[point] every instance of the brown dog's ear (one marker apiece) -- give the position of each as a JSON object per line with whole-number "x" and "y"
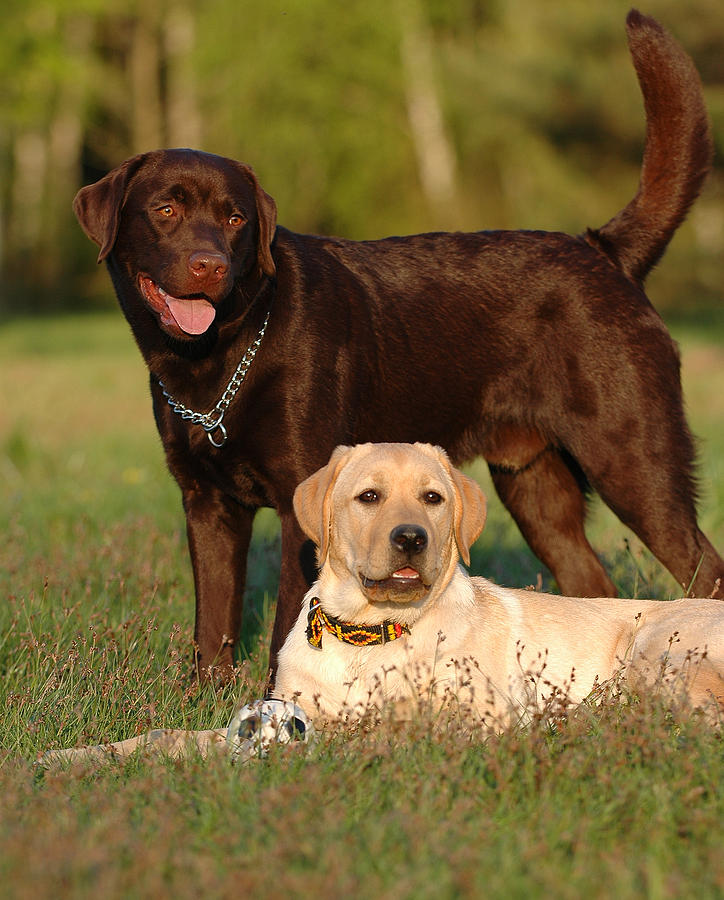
{"x": 266, "y": 210}
{"x": 470, "y": 512}
{"x": 266, "y": 213}
{"x": 312, "y": 502}
{"x": 98, "y": 206}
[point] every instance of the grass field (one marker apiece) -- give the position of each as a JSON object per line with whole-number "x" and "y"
{"x": 95, "y": 643}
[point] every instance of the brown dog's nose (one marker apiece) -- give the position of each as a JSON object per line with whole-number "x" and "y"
{"x": 208, "y": 267}
{"x": 410, "y": 539}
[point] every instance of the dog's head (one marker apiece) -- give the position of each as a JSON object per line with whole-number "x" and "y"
{"x": 183, "y": 226}
{"x": 392, "y": 518}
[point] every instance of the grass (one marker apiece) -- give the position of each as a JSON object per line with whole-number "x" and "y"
{"x": 95, "y": 643}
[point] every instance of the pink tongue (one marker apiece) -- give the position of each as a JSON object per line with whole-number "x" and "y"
{"x": 407, "y": 572}
{"x": 192, "y": 316}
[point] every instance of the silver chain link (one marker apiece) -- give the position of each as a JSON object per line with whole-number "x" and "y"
{"x": 211, "y": 421}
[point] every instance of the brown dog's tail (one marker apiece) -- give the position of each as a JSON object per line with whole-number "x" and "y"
{"x": 677, "y": 155}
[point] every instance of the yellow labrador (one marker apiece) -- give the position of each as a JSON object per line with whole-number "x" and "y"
{"x": 394, "y": 618}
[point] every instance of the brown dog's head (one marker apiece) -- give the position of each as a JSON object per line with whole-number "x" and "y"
{"x": 392, "y": 518}
{"x": 183, "y": 226}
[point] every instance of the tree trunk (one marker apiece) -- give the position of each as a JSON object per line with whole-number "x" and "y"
{"x": 146, "y": 114}
{"x": 436, "y": 160}
{"x": 183, "y": 120}
{"x": 65, "y": 149}
{"x": 30, "y": 154}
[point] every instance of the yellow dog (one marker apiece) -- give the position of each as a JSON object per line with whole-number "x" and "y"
{"x": 394, "y": 618}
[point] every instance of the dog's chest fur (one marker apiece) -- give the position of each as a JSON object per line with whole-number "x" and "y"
{"x": 425, "y": 668}
{"x": 496, "y": 653}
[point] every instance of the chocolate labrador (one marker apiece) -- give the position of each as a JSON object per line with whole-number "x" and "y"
{"x": 539, "y": 351}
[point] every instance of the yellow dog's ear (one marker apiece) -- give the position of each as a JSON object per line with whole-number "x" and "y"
{"x": 470, "y": 506}
{"x": 470, "y": 512}
{"x": 313, "y": 499}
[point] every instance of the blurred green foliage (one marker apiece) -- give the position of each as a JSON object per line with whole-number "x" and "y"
{"x": 535, "y": 112}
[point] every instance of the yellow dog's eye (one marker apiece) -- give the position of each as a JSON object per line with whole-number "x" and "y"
{"x": 431, "y": 497}
{"x": 368, "y": 496}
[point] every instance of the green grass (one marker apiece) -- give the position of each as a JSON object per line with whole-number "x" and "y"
{"x": 96, "y": 641}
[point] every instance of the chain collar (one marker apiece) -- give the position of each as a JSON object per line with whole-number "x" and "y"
{"x": 211, "y": 421}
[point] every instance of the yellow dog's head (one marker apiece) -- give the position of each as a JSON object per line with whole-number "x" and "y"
{"x": 393, "y": 517}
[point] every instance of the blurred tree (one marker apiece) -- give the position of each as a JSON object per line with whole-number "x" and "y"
{"x": 437, "y": 165}
{"x": 314, "y": 102}
{"x": 361, "y": 119}
{"x": 183, "y": 119}
{"x": 46, "y": 48}
{"x": 145, "y": 61}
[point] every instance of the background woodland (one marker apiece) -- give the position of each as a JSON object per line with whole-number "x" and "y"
{"x": 361, "y": 119}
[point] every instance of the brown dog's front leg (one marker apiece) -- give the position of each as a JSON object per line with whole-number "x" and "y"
{"x": 298, "y": 571}
{"x": 219, "y": 533}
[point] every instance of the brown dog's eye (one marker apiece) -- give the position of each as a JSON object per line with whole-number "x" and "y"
{"x": 369, "y": 496}
{"x": 166, "y": 211}
{"x": 431, "y": 497}
{"x": 236, "y": 220}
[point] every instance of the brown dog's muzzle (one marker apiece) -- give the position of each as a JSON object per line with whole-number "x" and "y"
{"x": 208, "y": 268}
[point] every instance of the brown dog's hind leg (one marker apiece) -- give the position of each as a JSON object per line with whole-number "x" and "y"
{"x": 686, "y": 552}
{"x": 549, "y": 507}
{"x": 642, "y": 466}
{"x": 663, "y": 515}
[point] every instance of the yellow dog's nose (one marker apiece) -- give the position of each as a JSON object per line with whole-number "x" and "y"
{"x": 410, "y": 539}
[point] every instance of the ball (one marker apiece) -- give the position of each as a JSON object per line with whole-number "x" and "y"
{"x": 258, "y": 725}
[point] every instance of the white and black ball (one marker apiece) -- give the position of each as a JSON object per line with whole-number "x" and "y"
{"x": 258, "y": 725}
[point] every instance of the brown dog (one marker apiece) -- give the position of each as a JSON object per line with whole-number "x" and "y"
{"x": 394, "y": 619}
{"x": 538, "y": 351}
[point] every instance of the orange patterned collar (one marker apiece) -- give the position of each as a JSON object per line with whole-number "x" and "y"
{"x": 349, "y": 632}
